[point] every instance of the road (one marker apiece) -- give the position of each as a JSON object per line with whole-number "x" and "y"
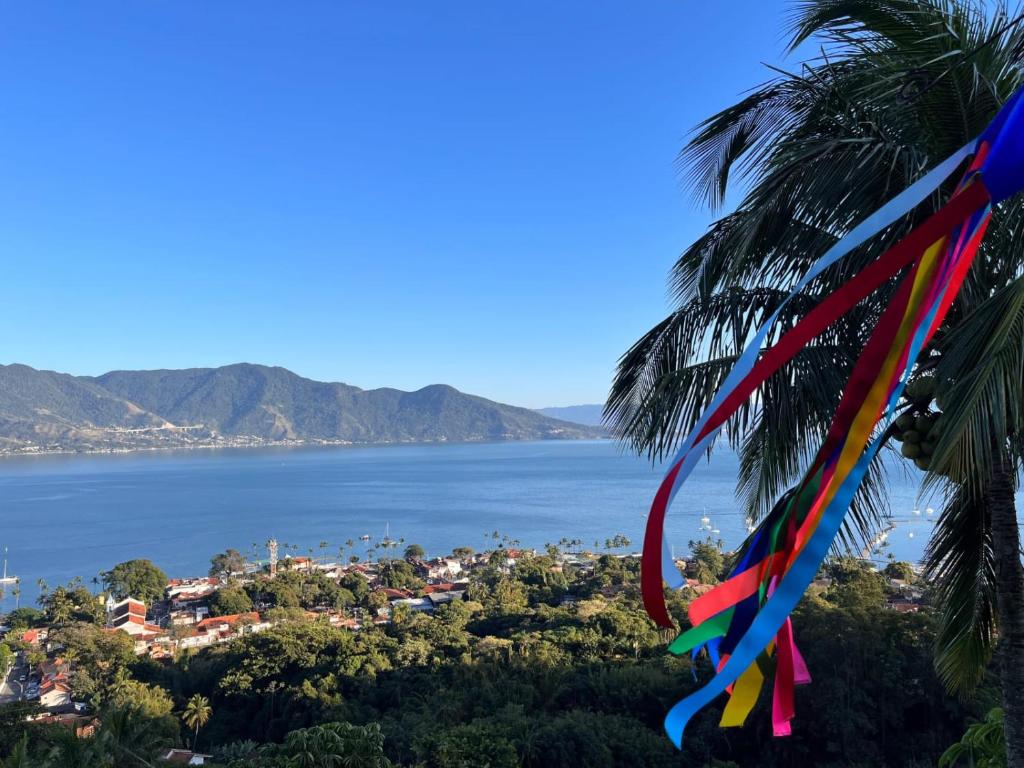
{"x": 11, "y": 689}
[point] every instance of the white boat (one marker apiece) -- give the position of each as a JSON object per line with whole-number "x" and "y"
{"x": 5, "y": 579}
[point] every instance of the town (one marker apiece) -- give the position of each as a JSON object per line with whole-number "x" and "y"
{"x": 166, "y": 619}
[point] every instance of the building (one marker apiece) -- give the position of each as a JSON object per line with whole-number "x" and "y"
{"x": 34, "y": 636}
{"x": 186, "y": 757}
{"x": 55, "y": 693}
{"x": 438, "y": 569}
{"x": 440, "y": 598}
{"x": 219, "y": 629}
{"x": 417, "y": 604}
{"x": 129, "y": 616}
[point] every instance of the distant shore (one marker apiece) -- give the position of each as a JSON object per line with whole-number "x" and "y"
{"x": 247, "y": 443}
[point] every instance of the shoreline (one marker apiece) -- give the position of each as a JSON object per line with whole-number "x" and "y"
{"x": 242, "y": 446}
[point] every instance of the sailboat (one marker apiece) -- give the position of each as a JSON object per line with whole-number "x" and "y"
{"x": 7, "y": 579}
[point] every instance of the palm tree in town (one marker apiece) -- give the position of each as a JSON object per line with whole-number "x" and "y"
{"x": 18, "y": 758}
{"x": 900, "y": 85}
{"x": 128, "y": 736}
{"x": 197, "y": 713}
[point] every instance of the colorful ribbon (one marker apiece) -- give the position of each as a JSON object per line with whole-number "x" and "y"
{"x": 744, "y": 622}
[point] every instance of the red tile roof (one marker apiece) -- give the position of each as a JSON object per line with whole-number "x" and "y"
{"x": 443, "y": 587}
{"x": 215, "y": 621}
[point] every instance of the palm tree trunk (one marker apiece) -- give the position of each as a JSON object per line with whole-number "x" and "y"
{"x": 1009, "y": 602}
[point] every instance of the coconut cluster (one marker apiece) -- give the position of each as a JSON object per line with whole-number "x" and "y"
{"x": 919, "y": 427}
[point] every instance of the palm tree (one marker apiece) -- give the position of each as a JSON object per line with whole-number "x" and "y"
{"x": 18, "y": 758}
{"x": 71, "y": 751}
{"x": 129, "y": 737}
{"x": 197, "y": 713}
{"x": 904, "y": 84}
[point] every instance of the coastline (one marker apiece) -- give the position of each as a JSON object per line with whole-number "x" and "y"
{"x": 257, "y": 443}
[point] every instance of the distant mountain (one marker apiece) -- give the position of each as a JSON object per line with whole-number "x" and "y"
{"x": 589, "y": 415}
{"x": 244, "y": 404}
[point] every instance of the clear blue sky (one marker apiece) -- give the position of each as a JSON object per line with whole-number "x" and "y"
{"x": 381, "y": 193}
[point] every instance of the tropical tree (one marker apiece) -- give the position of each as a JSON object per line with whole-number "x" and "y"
{"x": 197, "y": 714}
{"x": 331, "y": 744}
{"x": 226, "y": 563}
{"x": 899, "y": 85}
{"x": 19, "y": 755}
{"x": 71, "y": 751}
{"x": 136, "y": 578}
{"x": 981, "y": 747}
{"x": 132, "y": 739}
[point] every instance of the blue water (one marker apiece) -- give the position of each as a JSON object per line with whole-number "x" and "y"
{"x": 66, "y": 516}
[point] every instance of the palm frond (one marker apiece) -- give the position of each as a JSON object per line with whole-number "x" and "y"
{"x": 959, "y": 564}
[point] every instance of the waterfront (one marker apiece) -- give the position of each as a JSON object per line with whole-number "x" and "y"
{"x": 66, "y": 516}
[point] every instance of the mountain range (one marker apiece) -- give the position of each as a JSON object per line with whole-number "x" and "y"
{"x": 590, "y": 414}
{"x": 244, "y": 404}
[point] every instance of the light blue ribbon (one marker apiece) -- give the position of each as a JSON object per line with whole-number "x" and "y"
{"x": 790, "y": 589}
{"x": 885, "y": 216}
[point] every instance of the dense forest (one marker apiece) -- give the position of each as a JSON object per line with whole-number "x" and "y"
{"x": 538, "y": 666}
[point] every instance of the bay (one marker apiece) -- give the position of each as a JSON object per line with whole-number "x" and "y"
{"x": 75, "y": 515}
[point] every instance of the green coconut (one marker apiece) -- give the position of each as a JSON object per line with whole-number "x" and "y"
{"x": 921, "y": 390}
{"x": 905, "y": 421}
{"x": 923, "y": 463}
{"x": 923, "y": 423}
{"x": 911, "y": 450}
{"x": 911, "y": 436}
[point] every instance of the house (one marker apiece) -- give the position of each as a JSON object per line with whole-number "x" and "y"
{"x": 198, "y": 641}
{"x": 185, "y": 617}
{"x": 417, "y": 604}
{"x": 54, "y": 693}
{"x": 440, "y": 598}
{"x": 53, "y": 668}
{"x": 148, "y": 642}
{"x": 218, "y": 624}
{"x": 445, "y": 586}
{"x": 903, "y": 606}
{"x": 186, "y": 757}
{"x": 129, "y": 616}
{"x": 34, "y": 636}
{"x": 218, "y": 629}
{"x": 83, "y": 726}
{"x": 298, "y": 563}
{"x": 204, "y": 586}
{"x": 438, "y": 569}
